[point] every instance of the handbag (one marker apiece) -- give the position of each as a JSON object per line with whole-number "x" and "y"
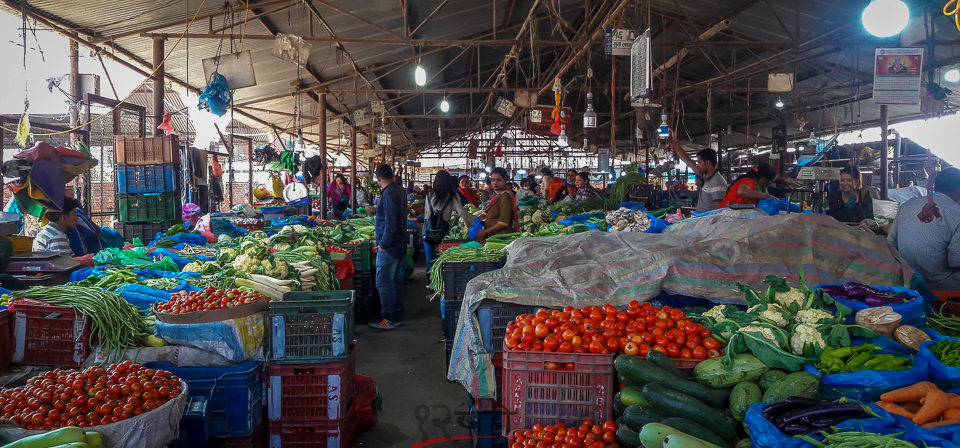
{"x": 435, "y": 229}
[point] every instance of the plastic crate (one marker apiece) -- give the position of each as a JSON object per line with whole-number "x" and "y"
{"x": 360, "y": 253}
{"x": 147, "y": 178}
{"x": 193, "y": 425}
{"x": 145, "y": 231}
{"x": 494, "y": 317}
{"x": 451, "y": 313}
{"x": 146, "y": 151}
{"x": 256, "y": 440}
{"x": 456, "y": 275}
{"x": 312, "y": 326}
{"x": 533, "y": 394}
{"x": 234, "y": 395}
{"x": 485, "y": 422}
{"x": 50, "y": 336}
{"x": 148, "y": 207}
{"x": 363, "y": 283}
{"x": 447, "y": 244}
{"x": 947, "y": 302}
{"x": 6, "y": 338}
{"x": 367, "y": 309}
{"x": 321, "y": 434}
{"x": 310, "y": 392}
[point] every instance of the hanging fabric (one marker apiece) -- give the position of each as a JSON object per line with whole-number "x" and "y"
{"x": 216, "y": 96}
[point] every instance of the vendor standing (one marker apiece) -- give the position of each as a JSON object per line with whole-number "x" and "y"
{"x": 338, "y": 190}
{"x": 850, "y": 203}
{"x": 933, "y": 248}
{"x": 710, "y": 183}
{"x": 53, "y": 235}
{"x": 467, "y": 194}
{"x": 751, "y": 187}
{"x": 500, "y": 214}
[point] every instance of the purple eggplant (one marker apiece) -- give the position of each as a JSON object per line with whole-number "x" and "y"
{"x": 853, "y": 410}
{"x": 810, "y": 401}
{"x": 830, "y": 421}
{"x": 799, "y": 430}
{"x": 881, "y": 300}
{"x": 905, "y": 296}
{"x": 835, "y": 291}
{"x": 858, "y": 291}
{"x": 776, "y": 410}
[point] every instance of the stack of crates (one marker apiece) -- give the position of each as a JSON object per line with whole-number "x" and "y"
{"x": 147, "y": 183}
{"x": 456, "y": 275}
{"x": 310, "y": 379}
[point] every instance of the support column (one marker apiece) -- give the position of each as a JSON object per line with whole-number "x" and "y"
{"x": 158, "y": 85}
{"x": 884, "y": 143}
{"x": 74, "y": 88}
{"x": 353, "y": 164}
{"x": 322, "y": 103}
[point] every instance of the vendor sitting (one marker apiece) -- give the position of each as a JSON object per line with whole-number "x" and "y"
{"x": 850, "y": 203}
{"x": 932, "y": 248}
{"x": 500, "y": 214}
{"x": 53, "y": 235}
{"x": 751, "y": 187}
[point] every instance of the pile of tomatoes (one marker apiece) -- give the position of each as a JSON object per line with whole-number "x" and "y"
{"x": 593, "y": 329}
{"x": 587, "y": 435}
{"x": 208, "y": 299}
{"x": 87, "y": 398}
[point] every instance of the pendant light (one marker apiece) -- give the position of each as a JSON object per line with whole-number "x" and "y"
{"x": 779, "y": 103}
{"x": 885, "y": 18}
{"x": 664, "y": 130}
{"x": 444, "y": 105}
{"x": 590, "y": 116}
{"x": 420, "y": 75}
{"x": 952, "y": 75}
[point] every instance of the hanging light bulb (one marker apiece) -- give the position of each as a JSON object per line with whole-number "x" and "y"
{"x": 779, "y": 103}
{"x": 444, "y": 105}
{"x": 420, "y": 75}
{"x": 952, "y": 75}
{"x": 562, "y": 139}
{"x": 884, "y": 18}
{"x": 590, "y": 116}
{"x": 664, "y": 130}
{"x": 300, "y": 146}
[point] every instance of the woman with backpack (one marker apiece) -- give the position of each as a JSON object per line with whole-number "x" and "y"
{"x": 439, "y": 207}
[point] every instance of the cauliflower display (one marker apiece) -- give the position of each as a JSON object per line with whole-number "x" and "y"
{"x": 767, "y": 333}
{"x": 274, "y": 268}
{"x": 716, "y": 313}
{"x": 226, "y": 255}
{"x": 246, "y": 263}
{"x": 538, "y": 217}
{"x": 196, "y": 266}
{"x": 255, "y": 248}
{"x": 803, "y": 335}
{"x": 790, "y": 297}
{"x": 771, "y": 312}
{"x": 812, "y": 316}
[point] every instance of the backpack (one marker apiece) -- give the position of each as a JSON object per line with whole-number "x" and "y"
{"x": 435, "y": 229}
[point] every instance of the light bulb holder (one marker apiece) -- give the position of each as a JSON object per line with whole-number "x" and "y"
{"x": 664, "y": 130}
{"x": 590, "y": 116}
{"x": 779, "y": 104}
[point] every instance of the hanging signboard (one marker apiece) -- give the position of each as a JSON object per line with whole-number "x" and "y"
{"x": 237, "y": 68}
{"x": 604, "y": 155}
{"x": 384, "y": 139}
{"x": 542, "y": 127}
{"x": 505, "y": 107}
{"x": 536, "y": 116}
{"x": 359, "y": 117}
{"x": 376, "y": 106}
{"x": 896, "y": 75}
{"x": 640, "y": 67}
{"x": 619, "y": 42}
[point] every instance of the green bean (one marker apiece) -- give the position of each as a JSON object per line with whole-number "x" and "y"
{"x": 459, "y": 254}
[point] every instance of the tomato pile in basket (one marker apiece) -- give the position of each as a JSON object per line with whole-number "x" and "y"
{"x": 208, "y": 299}
{"x": 587, "y": 435}
{"x": 87, "y": 398}
{"x": 593, "y": 329}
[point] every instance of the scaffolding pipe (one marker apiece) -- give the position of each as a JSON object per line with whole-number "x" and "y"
{"x": 322, "y": 103}
{"x": 158, "y": 85}
{"x": 884, "y": 145}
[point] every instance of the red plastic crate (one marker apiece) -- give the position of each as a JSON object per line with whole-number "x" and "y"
{"x": 947, "y": 302}
{"x": 6, "y": 338}
{"x": 47, "y": 335}
{"x": 532, "y": 394}
{"x": 310, "y": 392}
{"x": 323, "y": 434}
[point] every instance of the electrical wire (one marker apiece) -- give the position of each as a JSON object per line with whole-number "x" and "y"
{"x": 133, "y": 92}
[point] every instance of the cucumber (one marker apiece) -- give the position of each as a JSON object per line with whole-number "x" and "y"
{"x": 743, "y": 396}
{"x": 681, "y": 440}
{"x": 638, "y": 415}
{"x": 672, "y": 403}
{"x": 653, "y": 434}
{"x": 62, "y": 436}
{"x": 697, "y": 430}
{"x": 628, "y": 438}
{"x": 94, "y": 439}
{"x": 770, "y": 378}
{"x": 632, "y": 395}
{"x": 618, "y": 406}
{"x": 661, "y": 360}
{"x": 627, "y": 382}
{"x": 640, "y": 372}
{"x": 714, "y": 374}
{"x": 799, "y": 384}
{"x": 745, "y": 443}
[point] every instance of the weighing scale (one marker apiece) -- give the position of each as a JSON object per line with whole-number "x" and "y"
{"x": 819, "y": 175}
{"x": 47, "y": 268}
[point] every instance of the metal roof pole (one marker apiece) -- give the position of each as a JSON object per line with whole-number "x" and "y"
{"x": 158, "y": 85}
{"x": 353, "y": 165}
{"x": 322, "y": 103}
{"x": 885, "y": 144}
{"x": 74, "y": 89}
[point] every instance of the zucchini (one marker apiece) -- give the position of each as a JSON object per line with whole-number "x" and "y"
{"x": 770, "y": 378}
{"x": 661, "y": 360}
{"x": 653, "y": 434}
{"x": 697, "y": 430}
{"x": 638, "y": 415}
{"x": 640, "y": 372}
{"x": 627, "y": 383}
{"x": 681, "y": 440}
{"x": 672, "y": 403}
{"x": 745, "y": 443}
{"x": 799, "y": 384}
{"x": 62, "y": 436}
{"x": 743, "y": 396}
{"x": 628, "y": 438}
{"x": 94, "y": 439}
{"x": 632, "y": 395}
{"x": 72, "y": 445}
{"x": 714, "y": 374}
{"x": 618, "y": 406}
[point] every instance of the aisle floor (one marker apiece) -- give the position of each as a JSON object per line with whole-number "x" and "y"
{"x": 419, "y": 405}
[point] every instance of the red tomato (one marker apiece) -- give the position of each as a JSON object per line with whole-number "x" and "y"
{"x": 711, "y": 344}
{"x": 570, "y": 366}
{"x": 631, "y": 348}
{"x": 541, "y": 330}
{"x": 704, "y": 333}
{"x": 659, "y": 348}
{"x": 686, "y": 353}
{"x": 613, "y": 345}
{"x": 648, "y": 337}
{"x": 596, "y": 347}
{"x": 661, "y": 340}
{"x": 650, "y": 319}
{"x": 565, "y": 347}
{"x": 700, "y": 353}
{"x": 692, "y": 329}
{"x": 646, "y": 305}
{"x": 673, "y": 350}
{"x": 677, "y": 314}
{"x": 671, "y": 336}
{"x": 663, "y": 324}
{"x": 551, "y": 343}
{"x": 528, "y": 338}
{"x": 643, "y": 350}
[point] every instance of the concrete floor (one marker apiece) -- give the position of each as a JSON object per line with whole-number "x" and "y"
{"x": 420, "y": 407}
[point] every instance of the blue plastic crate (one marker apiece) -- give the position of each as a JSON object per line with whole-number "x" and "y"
{"x": 494, "y": 317}
{"x": 146, "y": 179}
{"x": 193, "y": 425}
{"x": 235, "y": 395}
{"x": 485, "y": 427}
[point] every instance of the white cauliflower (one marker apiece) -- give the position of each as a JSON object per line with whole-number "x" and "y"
{"x": 196, "y": 266}
{"x": 764, "y": 331}
{"x": 812, "y": 316}
{"x": 716, "y": 313}
{"x": 246, "y": 263}
{"x": 803, "y": 335}
{"x": 793, "y": 296}
{"x": 772, "y": 313}
{"x": 527, "y": 219}
{"x": 538, "y": 217}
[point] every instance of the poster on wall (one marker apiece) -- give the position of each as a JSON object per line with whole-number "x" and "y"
{"x": 896, "y": 75}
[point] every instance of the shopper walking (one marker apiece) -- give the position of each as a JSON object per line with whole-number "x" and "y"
{"x": 391, "y": 247}
{"x": 440, "y": 205}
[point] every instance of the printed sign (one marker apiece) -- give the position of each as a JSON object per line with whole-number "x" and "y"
{"x": 505, "y": 107}
{"x": 536, "y": 116}
{"x": 619, "y": 42}
{"x": 896, "y": 75}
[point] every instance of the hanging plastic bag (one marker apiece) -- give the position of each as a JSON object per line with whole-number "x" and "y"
{"x": 944, "y": 376}
{"x": 216, "y": 96}
{"x": 215, "y": 166}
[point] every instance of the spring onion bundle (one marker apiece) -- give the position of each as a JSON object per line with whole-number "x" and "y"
{"x": 117, "y": 323}
{"x": 459, "y": 254}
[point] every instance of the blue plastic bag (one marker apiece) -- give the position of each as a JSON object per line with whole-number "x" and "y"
{"x": 635, "y": 206}
{"x": 913, "y": 312}
{"x": 765, "y": 434}
{"x": 584, "y": 217}
{"x": 867, "y": 385}
{"x": 180, "y": 261}
{"x": 141, "y": 296}
{"x": 944, "y": 376}
{"x": 773, "y": 207}
{"x": 657, "y": 225}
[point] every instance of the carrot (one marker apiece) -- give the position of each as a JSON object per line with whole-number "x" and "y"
{"x": 955, "y": 421}
{"x": 933, "y": 405}
{"x": 953, "y": 402}
{"x": 895, "y": 409}
{"x": 951, "y": 413}
{"x": 912, "y": 407}
{"x": 909, "y": 393}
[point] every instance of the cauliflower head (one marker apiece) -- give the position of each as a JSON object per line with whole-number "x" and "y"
{"x": 246, "y": 263}
{"x": 716, "y": 313}
{"x": 790, "y": 297}
{"x": 254, "y": 248}
{"x": 274, "y": 268}
{"x": 803, "y": 335}
{"x": 812, "y": 316}
{"x": 538, "y": 217}
{"x": 226, "y": 255}
{"x": 282, "y": 246}
{"x": 773, "y": 313}
{"x": 767, "y": 333}
{"x": 210, "y": 268}
{"x": 196, "y": 266}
